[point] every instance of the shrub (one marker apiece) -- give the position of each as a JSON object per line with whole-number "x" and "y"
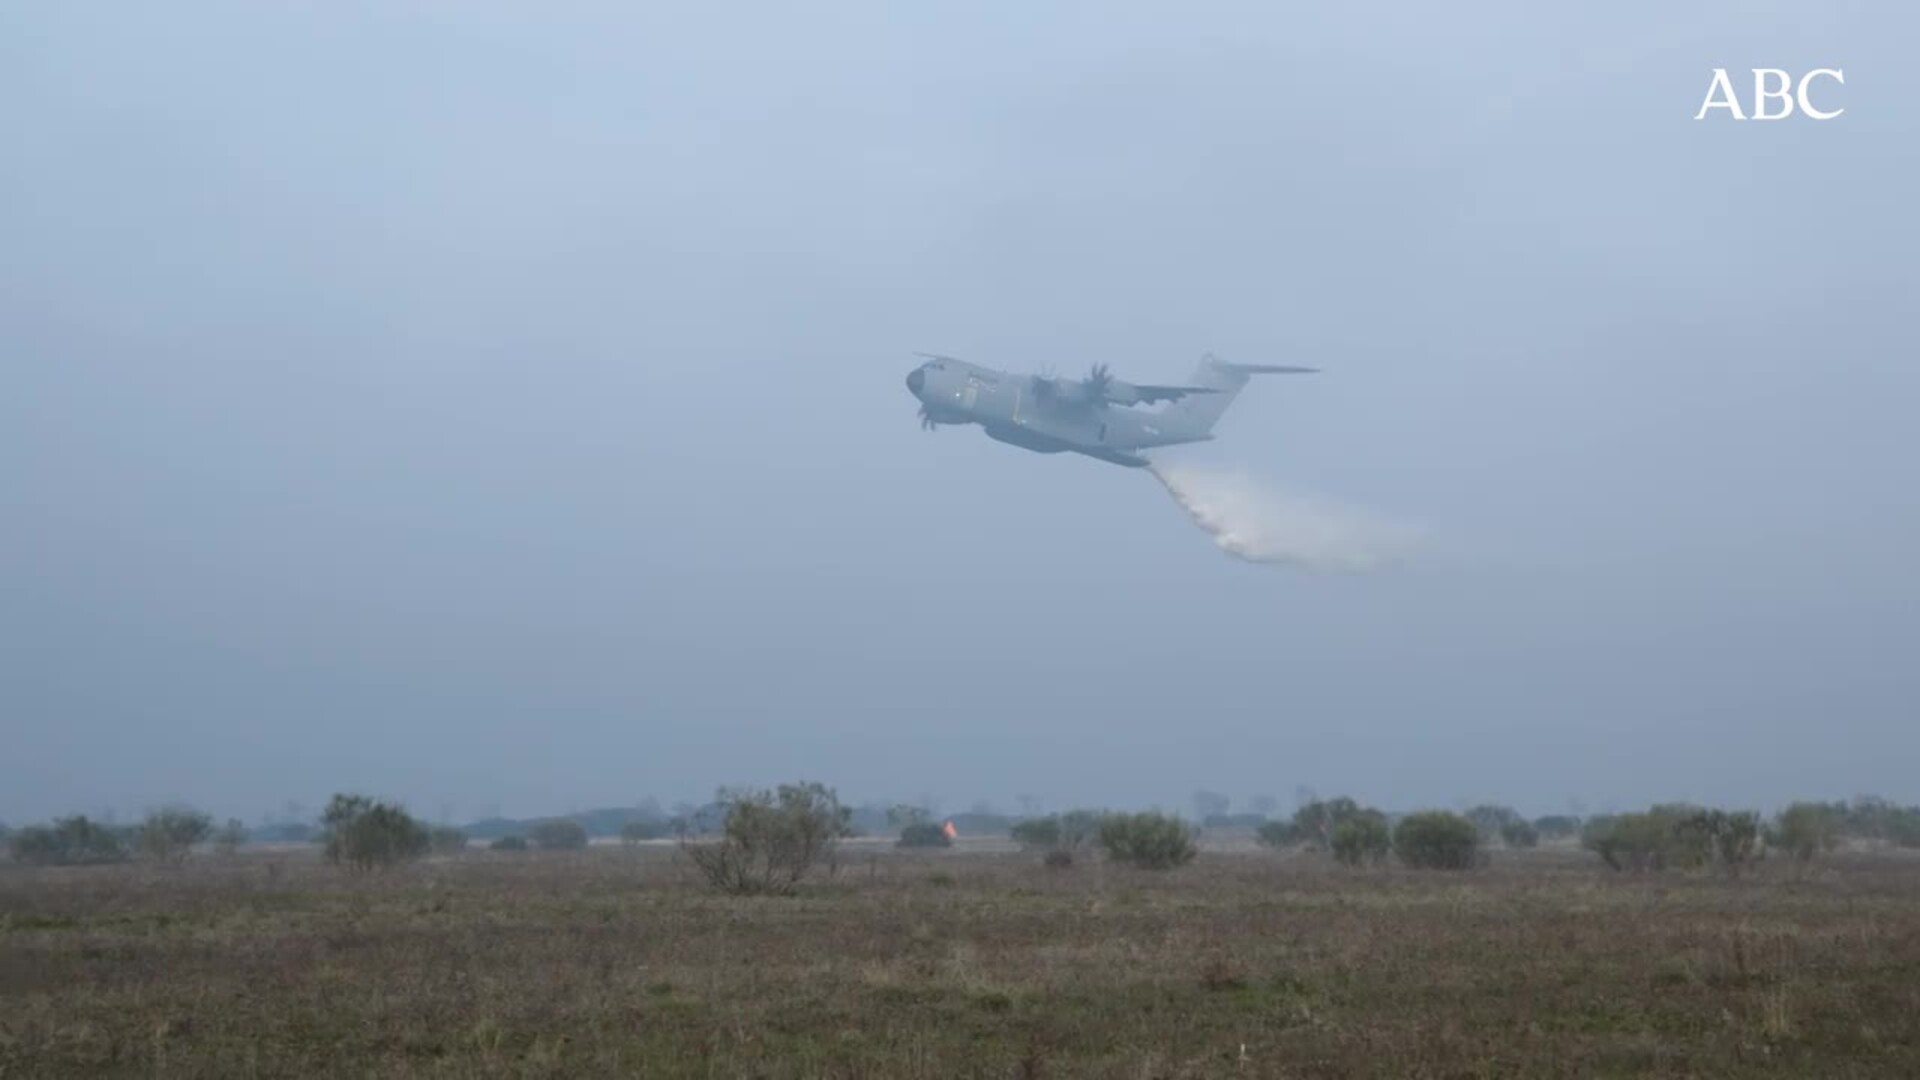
{"x": 1492, "y": 820}
{"x": 1904, "y": 828}
{"x": 1436, "y": 840}
{"x": 1313, "y": 823}
{"x": 1873, "y": 818}
{"x": 1277, "y": 834}
{"x": 924, "y": 834}
{"x": 770, "y": 839}
{"x": 1689, "y": 834}
{"x": 1362, "y": 838}
{"x": 559, "y": 834}
{"x": 1519, "y": 834}
{"x": 1078, "y": 828}
{"x": 1061, "y": 836}
{"x": 1736, "y": 837}
{"x": 1037, "y": 833}
{"x": 1806, "y": 829}
{"x": 365, "y": 834}
{"x": 73, "y": 841}
{"x": 1672, "y": 835}
{"x": 509, "y": 843}
{"x": 446, "y": 840}
{"x": 1626, "y": 841}
{"x": 230, "y": 836}
{"x": 169, "y": 833}
{"x": 1150, "y": 840}
{"x": 1557, "y": 826}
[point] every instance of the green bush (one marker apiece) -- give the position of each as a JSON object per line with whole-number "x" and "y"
{"x": 1362, "y": 839}
{"x": 1060, "y": 836}
{"x": 1674, "y": 836}
{"x": 1870, "y": 817}
{"x": 1806, "y": 829}
{"x": 1078, "y": 828}
{"x": 1557, "y": 826}
{"x": 1150, "y": 840}
{"x": 924, "y": 834}
{"x": 770, "y": 840}
{"x": 1689, "y": 834}
{"x": 1904, "y": 827}
{"x": 1313, "y": 824}
{"x": 1491, "y": 819}
{"x": 230, "y": 836}
{"x": 72, "y": 841}
{"x": 1519, "y": 834}
{"x": 1037, "y": 833}
{"x": 446, "y": 840}
{"x": 365, "y": 834}
{"x": 1736, "y": 837}
{"x": 509, "y": 843}
{"x": 1437, "y": 840}
{"x": 1277, "y": 834}
{"x": 1628, "y": 841}
{"x": 559, "y": 834}
{"x": 169, "y": 833}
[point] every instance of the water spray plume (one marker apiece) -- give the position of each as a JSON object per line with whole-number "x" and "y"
{"x": 1253, "y": 521}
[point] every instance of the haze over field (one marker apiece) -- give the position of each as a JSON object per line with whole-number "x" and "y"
{"x": 503, "y": 409}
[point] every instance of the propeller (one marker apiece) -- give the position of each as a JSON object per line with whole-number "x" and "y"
{"x": 926, "y": 420}
{"x": 1097, "y": 382}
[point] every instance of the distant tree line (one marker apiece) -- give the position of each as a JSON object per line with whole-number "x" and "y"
{"x": 166, "y": 835}
{"x": 767, "y": 840}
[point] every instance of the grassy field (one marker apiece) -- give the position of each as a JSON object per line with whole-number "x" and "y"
{"x": 963, "y": 963}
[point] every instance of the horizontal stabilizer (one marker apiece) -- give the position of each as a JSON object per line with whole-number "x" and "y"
{"x": 1150, "y": 394}
{"x": 1267, "y": 369}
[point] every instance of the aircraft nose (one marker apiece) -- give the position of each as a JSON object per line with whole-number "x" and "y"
{"x": 916, "y": 379}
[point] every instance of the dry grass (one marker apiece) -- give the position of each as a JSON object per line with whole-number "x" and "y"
{"x": 613, "y": 962}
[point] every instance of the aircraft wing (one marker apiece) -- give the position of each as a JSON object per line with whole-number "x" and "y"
{"x": 1121, "y": 393}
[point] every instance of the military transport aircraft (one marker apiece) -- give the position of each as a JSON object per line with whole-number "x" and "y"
{"x": 1091, "y": 416}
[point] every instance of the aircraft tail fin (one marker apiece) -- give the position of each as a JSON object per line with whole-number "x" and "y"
{"x": 1194, "y": 416}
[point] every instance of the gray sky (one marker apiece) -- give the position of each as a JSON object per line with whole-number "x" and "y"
{"x": 503, "y": 410}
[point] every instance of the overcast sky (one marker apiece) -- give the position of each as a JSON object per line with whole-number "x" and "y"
{"x": 500, "y": 407}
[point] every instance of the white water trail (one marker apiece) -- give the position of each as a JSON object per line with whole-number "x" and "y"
{"x": 1254, "y": 521}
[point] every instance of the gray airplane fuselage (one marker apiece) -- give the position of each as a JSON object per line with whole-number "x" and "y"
{"x": 1016, "y": 409}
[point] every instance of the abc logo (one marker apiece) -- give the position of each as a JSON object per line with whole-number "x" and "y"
{"x": 1769, "y": 85}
